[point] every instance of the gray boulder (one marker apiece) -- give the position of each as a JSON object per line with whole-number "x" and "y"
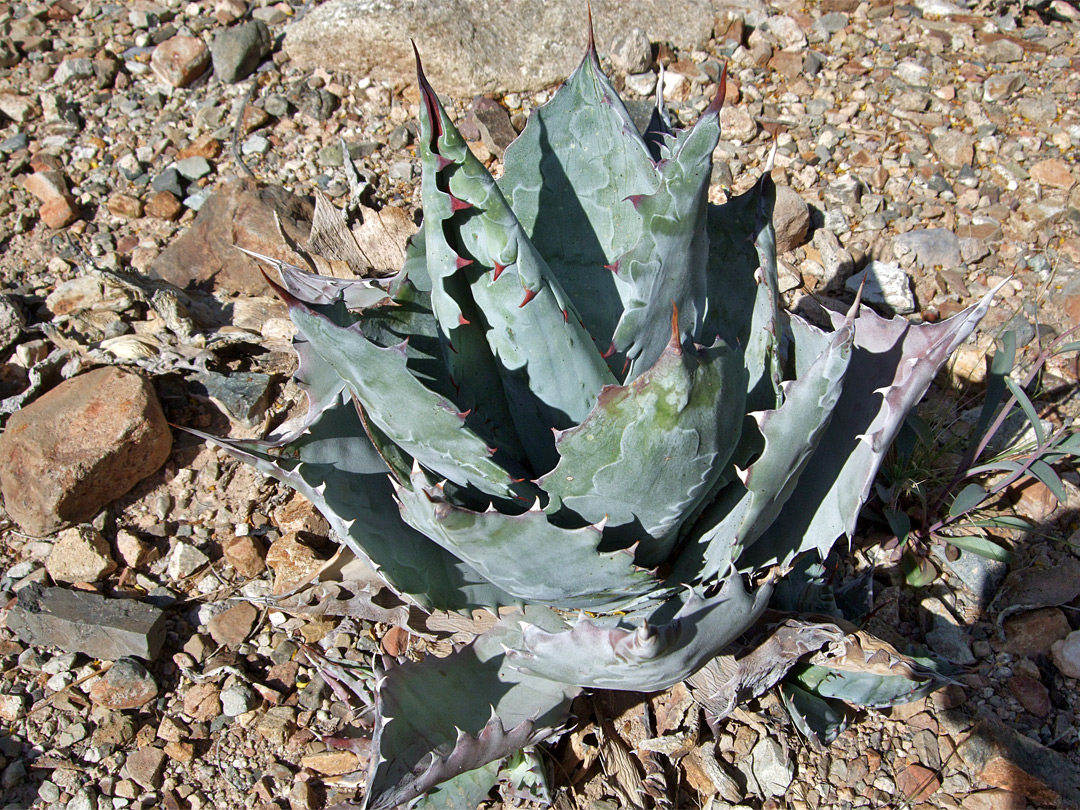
{"x": 471, "y": 47}
{"x": 237, "y": 51}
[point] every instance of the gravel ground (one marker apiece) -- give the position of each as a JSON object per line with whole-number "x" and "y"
{"x": 889, "y": 123}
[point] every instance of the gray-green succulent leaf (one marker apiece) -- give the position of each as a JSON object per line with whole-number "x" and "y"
{"x": 444, "y": 716}
{"x": 650, "y": 655}
{"x": 892, "y": 364}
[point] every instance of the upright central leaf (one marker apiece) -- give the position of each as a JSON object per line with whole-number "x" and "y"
{"x": 571, "y": 178}
{"x": 491, "y": 280}
{"x": 669, "y": 263}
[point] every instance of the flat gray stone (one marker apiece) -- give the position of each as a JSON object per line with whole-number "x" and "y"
{"x": 242, "y": 395}
{"x": 631, "y": 51}
{"x": 194, "y": 168}
{"x": 12, "y": 320}
{"x": 982, "y": 576}
{"x": 237, "y": 51}
{"x": 933, "y": 248}
{"x": 886, "y": 284}
{"x": 468, "y": 48}
{"x": 771, "y": 767}
{"x": 950, "y": 642}
{"x": 791, "y": 219}
{"x": 80, "y": 621}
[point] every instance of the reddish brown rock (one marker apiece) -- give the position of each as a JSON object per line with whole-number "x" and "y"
{"x": 202, "y": 702}
{"x": 180, "y": 751}
{"x": 247, "y": 555}
{"x": 917, "y": 782}
{"x": 298, "y": 514}
{"x": 46, "y": 185}
{"x": 59, "y": 212}
{"x": 1032, "y": 633}
{"x": 126, "y": 206}
{"x": 127, "y": 685}
{"x": 1004, "y": 758}
{"x": 1053, "y": 172}
{"x": 332, "y": 763}
{"x": 791, "y": 219}
{"x": 293, "y": 562}
{"x": 164, "y": 205}
{"x": 234, "y": 625}
{"x": 1032, "y": 694}
{"x": 239, "y": 214}
{"x": 207, "y": 147}
{"x": 146, "y": 766}
{"x": 180, "y": 60}
{"x": 786, "y": 64}
{"x": 114, "y": 435}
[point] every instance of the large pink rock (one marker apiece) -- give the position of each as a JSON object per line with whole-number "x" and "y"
{"x": 241, "y": 213}
{"x": 79, "y": 447}
{"x": 180, "y": 60}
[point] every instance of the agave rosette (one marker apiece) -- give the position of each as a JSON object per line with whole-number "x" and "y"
{"x": 580, "y": 395}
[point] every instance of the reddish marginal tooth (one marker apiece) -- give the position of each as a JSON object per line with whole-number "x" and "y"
{"x": 610, "y": 351}
{"x": 625, "y": 366}
{"x": 529, "y": 296}
{"x": 464, "y": 414}
{"x": 498, "y": 271}
{"x": 461, "y": 261}
{"x": 635, "y": 199}
{"x": 613, "y": 267}
{"x": 492, "y": 450}
{"x": 565, "y": 316}
{"x": 518, "y": 480}
{"x": 450, "y": 343}
{"x": 462, "y": 320}
{"x": 457, "y": 204}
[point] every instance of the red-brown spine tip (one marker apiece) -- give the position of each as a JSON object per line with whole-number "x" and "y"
{"x": 428, "y": 97}
{"x": 610, "y": 351}
{"x": 613, "y": 267}
{"x": 461, "y": 261}
{"x": 717, "y": 103}
{"x": 590, "y": 46}
{"x": 676, "y": 340}
{"x": 529, "y": 296}
{"x": 498, "y": 271}
{"x": 457, "y": 204}
{"x": 462, "y": 320}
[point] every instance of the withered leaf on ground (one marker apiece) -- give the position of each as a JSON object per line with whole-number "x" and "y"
{"x": 725, "y": 682}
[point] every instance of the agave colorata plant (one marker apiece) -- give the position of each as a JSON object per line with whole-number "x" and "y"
{"x": 580, "y": 406}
